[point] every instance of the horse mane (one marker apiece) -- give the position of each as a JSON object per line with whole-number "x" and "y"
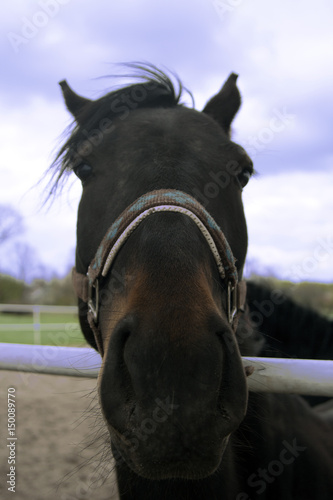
{"x": 290, "y": 329}
{"x": 159, "y": 91}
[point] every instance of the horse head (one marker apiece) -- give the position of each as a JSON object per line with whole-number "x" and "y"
{"x": 172, "y": 386}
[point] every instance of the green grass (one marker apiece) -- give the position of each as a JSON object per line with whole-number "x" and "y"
{"x": 18, "y": 319}
{"x": 68, "y": 333}
{"x": 11, "y": 318}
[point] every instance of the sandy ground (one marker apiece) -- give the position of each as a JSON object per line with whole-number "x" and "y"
{"x": 52, "y": 430}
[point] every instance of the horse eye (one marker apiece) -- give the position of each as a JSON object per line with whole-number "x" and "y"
{"x": 244, "y": 176}
{"x": 83, "y": 171}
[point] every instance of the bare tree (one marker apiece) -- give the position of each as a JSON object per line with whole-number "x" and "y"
{"x": 27, "y": 261}
{"x": 11, "y": 223}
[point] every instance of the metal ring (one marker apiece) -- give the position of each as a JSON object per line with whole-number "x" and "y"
{"x": 93, "y": 307}
{"x": 232, "y": 302}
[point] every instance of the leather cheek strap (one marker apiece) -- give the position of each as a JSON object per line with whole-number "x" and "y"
{"x": 81, "y": 286}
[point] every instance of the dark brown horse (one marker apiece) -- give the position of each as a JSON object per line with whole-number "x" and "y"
{"x": 161, "y": 245}
{"x": 289, "y": 329}
{"x": 292, "y": 330}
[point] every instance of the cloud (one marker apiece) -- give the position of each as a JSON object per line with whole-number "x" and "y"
{"x": 28, "y": 136}
{"x": 282, "y": 52}
{"x": 288, "y": 216}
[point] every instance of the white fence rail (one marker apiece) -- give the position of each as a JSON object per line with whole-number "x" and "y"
{"x": 301, "y": 376}
{"x": 36, "y": 326}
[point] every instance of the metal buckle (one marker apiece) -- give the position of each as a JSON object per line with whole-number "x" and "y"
{"x": 93, "y": 300}
{"x": 232, "y": 302}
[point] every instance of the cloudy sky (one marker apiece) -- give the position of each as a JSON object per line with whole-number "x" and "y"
{"x": 283, "y": 52}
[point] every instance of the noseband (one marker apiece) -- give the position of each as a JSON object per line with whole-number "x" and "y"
{"x": 87, "y": 286}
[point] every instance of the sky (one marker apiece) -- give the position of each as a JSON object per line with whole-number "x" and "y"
{"x": 283, "y": 53}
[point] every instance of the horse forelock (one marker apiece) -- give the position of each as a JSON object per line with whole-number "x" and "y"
{"x": 153, "y": 88}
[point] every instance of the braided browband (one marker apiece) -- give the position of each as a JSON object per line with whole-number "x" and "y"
{"x": 128, "y": 221}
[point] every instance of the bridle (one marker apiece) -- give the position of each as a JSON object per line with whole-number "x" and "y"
{"x": 87, "y": 285}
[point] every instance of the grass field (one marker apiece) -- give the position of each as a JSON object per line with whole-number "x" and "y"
{"x": 68, "y": 332}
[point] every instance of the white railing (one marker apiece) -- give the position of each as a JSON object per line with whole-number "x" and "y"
{"x": 36, "y": 326}
{"x": 301, "y": 376}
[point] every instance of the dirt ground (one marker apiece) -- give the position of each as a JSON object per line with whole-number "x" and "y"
{"x": 52, "y": 428}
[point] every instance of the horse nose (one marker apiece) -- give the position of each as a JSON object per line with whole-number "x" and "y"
{"x": 171, "y": 396}
{"x": 162, "y": 362}
{"x": 146, "y": 362}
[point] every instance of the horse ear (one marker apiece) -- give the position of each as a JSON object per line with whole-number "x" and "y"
{"x": 75, "y": 103}
{"x": 224, "y": 105}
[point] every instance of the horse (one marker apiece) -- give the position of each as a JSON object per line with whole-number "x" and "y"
{"x": 161, "y": 246}
{"x": 289, "y": 329}
{"x": 292, "y": 330}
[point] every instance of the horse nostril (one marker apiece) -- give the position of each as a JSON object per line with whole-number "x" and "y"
{"x": 115, "y": 373}
{"x": 117, "y": 342}
{"x": 124, "y": 328}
